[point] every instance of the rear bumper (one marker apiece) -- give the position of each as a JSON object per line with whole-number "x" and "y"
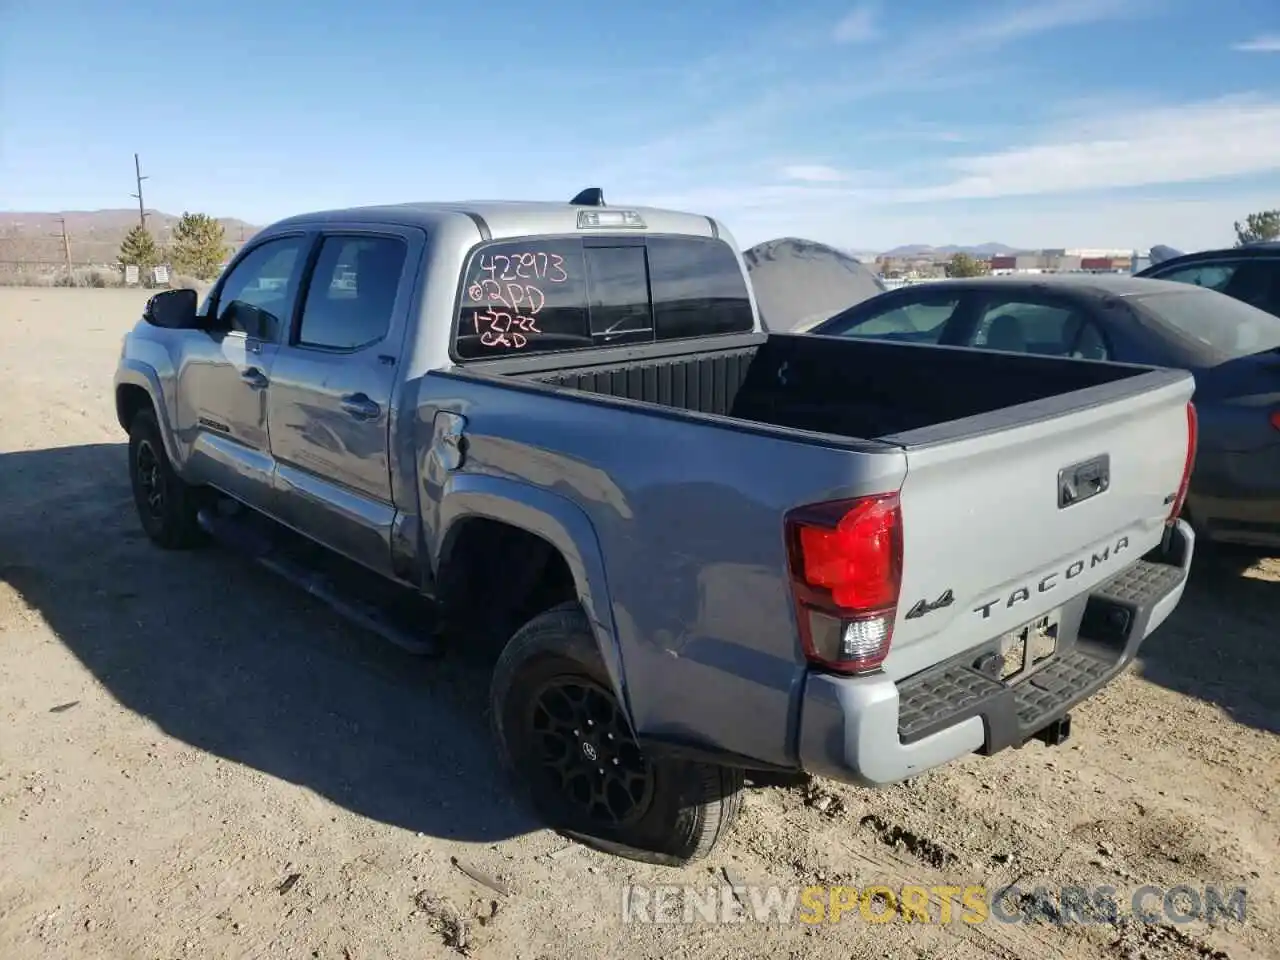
{"x": 874, "y": 731}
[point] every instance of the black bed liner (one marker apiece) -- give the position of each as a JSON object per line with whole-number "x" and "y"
{"x": 841, "y": 386}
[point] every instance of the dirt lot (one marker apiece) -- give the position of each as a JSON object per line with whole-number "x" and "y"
{"x": 198, "y": 761}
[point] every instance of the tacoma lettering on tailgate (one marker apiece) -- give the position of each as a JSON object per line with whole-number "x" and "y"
{"x": 1051, "y": 580}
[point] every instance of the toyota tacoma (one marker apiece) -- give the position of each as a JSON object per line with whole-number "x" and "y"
{"x": 701, "y": 548}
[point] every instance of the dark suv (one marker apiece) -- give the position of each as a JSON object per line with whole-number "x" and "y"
{"x": 1250, "y": 273}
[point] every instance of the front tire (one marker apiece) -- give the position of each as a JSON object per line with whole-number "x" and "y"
{"x": 563, "y": 734}
{"x": 167, "y": 506}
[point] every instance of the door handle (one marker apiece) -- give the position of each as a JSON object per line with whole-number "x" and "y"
{"x": 360, "y": 406}
{"x": 254, "y": 378}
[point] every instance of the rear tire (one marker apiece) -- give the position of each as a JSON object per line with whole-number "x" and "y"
{"x": 167, "y": 506}
{"x": 563, "y": 734}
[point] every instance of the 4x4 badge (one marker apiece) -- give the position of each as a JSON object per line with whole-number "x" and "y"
{"x": 924, "y": 606}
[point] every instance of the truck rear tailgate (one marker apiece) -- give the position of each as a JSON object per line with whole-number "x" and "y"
{"x": 1008, "y": 516}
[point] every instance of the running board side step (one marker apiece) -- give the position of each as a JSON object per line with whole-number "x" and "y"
{"x": 250, "y": 539}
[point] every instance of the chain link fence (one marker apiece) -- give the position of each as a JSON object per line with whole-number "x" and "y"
{"x": 55, "y": 273}
{"x": 41, "y": 261}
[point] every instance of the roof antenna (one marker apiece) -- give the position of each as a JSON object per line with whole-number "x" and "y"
{"x": 590, "y": 197}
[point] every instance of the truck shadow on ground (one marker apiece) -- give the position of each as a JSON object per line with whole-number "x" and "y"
{"x": 227, "y": 658}
{"x": 1220, "y": 645}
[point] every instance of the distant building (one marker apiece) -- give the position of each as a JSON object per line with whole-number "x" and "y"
{"x": 1091, "y": 254}
{"x": 897, "y": 283}
{"x": 1019, "y": 263}
{"x": 1109, "y": 264}
{"x": 1048, "y": 260}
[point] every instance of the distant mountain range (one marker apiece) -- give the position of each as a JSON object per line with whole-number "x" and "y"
{"x": 95, "y": 235}
{"x": 924, "y": 250}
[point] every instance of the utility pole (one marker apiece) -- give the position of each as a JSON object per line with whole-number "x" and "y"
{"x": 66, "y": 250}
{"x": 142, "y": 210}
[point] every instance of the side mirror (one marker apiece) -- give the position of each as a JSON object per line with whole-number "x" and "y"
{"x": 174, "y": 309}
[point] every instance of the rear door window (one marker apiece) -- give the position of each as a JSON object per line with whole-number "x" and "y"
{"x": 1257, "y": 283}
{"x": 1214, "y": 276}
{"x": 352, "y": 292}
{"x": 923, "y": 320}
{"x": 536, "y": 295}
{"x": 1041, "y": 328}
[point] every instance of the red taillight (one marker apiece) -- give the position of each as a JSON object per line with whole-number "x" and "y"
{"x": 1275, "y": 419}
{"x": 1193, "y": 431}
{"x": 846, "y": 572}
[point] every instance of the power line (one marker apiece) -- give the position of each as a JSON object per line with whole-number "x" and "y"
{"x": 66, "y": 249}
{"x": 142, "y": 210}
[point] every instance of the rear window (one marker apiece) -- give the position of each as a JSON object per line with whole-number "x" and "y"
{"x": 1213, "y": 323}
{"x": 536, "y": 295}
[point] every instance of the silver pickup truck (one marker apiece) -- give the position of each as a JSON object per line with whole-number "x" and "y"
{"x": 701, "y": 548}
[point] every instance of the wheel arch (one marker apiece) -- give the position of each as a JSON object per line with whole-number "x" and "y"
{"x": 474, "y": 508}
{"x": 137, "y": 388}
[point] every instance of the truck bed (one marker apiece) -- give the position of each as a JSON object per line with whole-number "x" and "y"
{"x": 988, "y": 438}
{"x": 851, "y": 388}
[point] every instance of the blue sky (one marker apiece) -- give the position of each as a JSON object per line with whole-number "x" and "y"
{"x": 1038, "y": 123}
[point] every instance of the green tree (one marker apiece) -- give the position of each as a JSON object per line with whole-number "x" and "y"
{"x": 198, "y": 246}
{"x": 963, "y": 265}
{"x": 1264, "y": 225}
{"x": 139, "y": 249}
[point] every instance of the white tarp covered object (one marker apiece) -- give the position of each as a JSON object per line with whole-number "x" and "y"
{"x": 799, "y": 283}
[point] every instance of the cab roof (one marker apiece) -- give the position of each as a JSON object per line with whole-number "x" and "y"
{"x": 514, "y": 218}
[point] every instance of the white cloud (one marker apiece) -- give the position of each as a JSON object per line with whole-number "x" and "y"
{"x": 1077, "y": 184}
{"x": 999, "y": 25}
{"x": 1105, "y": 168}
{"x": 1031, "y": 222}
{"x": 1183, "y": 144}
{"x": 913, "y": 131}
{"x": 1071, "y": 175}
{"x": 1024, "y": 20}
{"x": 776, "y": 75}
{"x": 858, "y": 25}
{"x": 814, "y": 173}
{"x": 1266, "y": 43}
{"x": 953, "y": 52}
{"x": 1159, "y": 146}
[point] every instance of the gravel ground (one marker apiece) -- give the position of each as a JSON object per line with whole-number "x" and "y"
{"x": 199, "y": 761}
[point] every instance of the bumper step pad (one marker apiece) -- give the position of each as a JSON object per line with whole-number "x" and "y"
{"x": 951, "y": 692}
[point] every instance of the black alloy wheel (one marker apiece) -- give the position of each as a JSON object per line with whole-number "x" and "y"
{"x": 586, "y": 752}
